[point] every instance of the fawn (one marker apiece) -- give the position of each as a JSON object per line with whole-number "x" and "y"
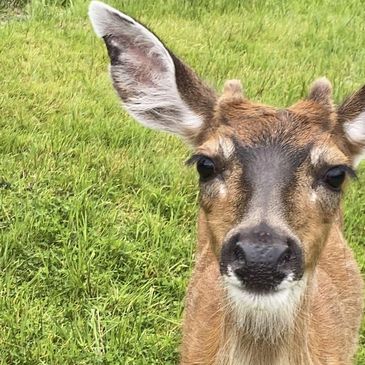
{"x": 274, "y": 281}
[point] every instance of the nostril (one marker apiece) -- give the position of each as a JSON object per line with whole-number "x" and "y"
{"x": 285, "y": 257}
{"x": 239, "y": 253}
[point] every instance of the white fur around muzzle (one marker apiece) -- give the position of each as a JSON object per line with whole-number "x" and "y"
{"x": 265, "y": 316}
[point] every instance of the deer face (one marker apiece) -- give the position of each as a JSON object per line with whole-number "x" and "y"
{"x": 271, "y": 180}
{"x": 271, "y": 183}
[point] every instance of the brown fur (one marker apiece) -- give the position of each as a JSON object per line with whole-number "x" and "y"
{"x": 327, "y": 323}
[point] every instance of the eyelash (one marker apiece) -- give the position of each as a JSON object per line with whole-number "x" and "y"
{"x": 334, "y": 177}
{"x": 345, "y": 168}
{"x": 195, "y": 158}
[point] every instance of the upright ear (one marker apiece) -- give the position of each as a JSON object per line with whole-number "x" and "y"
{"x": 157, "y": 89}
{"x": 351, "y": 114}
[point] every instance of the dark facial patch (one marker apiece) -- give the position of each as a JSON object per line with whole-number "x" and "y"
{"x": 268, "y": 170}
{"x": 113, "y": 51}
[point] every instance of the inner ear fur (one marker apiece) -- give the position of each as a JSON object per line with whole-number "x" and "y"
{"x": 351, "y": 116}
{"x": 156, "y": 88}
{"x": 352, "y": 106}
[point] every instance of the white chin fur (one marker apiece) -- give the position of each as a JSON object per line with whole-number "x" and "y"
{"x": 266, "y": 316}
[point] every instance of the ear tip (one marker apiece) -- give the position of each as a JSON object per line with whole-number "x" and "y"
{"x": 97, "y": 17}
{"x": 101, "y": 17}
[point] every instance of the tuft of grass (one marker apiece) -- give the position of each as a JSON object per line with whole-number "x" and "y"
{"x": 97, "y": 214}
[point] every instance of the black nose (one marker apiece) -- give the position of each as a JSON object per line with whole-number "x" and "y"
{"x": 251, "y": 254}
{"x": 261, "y": 257}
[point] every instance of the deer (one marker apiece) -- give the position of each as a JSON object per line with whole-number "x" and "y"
{"x": 274, "y": 281}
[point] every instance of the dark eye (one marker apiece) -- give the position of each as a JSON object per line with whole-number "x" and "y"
{"x": 206, "y": 168}
{"x": 335, "y": 177}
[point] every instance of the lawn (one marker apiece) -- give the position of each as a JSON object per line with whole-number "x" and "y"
{"x": 97, "y": 214}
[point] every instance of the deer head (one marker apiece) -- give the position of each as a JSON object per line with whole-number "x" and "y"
{"x": 271, "y": 180}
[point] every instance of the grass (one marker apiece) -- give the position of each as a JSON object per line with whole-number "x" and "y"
{"x": 97, "y": 214}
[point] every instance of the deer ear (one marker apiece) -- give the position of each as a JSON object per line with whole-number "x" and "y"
{"x": 351, "y": 115}
{"x": 157, "y": 89}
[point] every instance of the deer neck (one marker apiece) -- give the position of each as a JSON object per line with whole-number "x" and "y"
{"x": 237, "y": 347}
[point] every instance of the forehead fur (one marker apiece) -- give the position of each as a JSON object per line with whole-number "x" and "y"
{"x": 254, "y": 123}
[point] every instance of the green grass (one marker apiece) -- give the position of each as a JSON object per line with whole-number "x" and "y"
{"x": 97, "y": 214}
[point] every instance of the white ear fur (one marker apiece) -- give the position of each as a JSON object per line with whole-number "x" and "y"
{"x": 99, "y": 14}
{"x": 355, "y": 132}
{"x": 104, "y": 24}
{"x": 143, "y": 73}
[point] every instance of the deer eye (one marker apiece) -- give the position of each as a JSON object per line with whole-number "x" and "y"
{"x": 335, "y": 177}
{"x": 206, "y": 168}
